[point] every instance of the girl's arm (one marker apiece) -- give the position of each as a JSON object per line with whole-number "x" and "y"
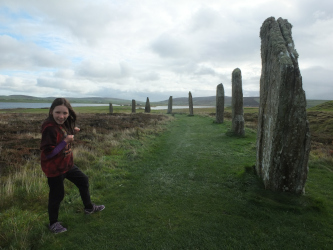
{"x": 57, "y": 150}
{"x": 49, "y": 142}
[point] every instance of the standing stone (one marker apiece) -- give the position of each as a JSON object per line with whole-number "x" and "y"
{"x": 219, "y": 103}
{"x": 147, "y": 107}
{"x": 110, "y": 108}
{"x": 133, "y": 106}
{"x": 237, "y": 103}
{"x": 190, "y": 103}
{"x": 170, "y": 105}
{"x": 283, "y": 138}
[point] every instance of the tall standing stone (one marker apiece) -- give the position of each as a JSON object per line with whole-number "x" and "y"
{"x": 147, "y": 107}
{"x": 110, "y": 108}
{"x": 237, "y": 103}
{"x": 190, "y": 103}
{"x": 133, "y": 106}
{"x": 170, "y": 105}
{"x": 219, "y": 103}
{"x": 283, "y": 138}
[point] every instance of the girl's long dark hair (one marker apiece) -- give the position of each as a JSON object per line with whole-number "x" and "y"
{"x": 69, "y": 124}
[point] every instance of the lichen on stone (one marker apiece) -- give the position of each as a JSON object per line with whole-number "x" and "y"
{"x": 283, "y": 138}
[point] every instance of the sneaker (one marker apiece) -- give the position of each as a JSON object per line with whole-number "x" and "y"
{"x": 57, "y": 228}
{"x": 96, "y": 208}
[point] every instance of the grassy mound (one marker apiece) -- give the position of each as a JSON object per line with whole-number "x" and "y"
{"x": 321, "y": 123}
{"x": 326, "y": 106}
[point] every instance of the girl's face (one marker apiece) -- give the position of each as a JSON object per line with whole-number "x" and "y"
{"x": 60, "y": 114}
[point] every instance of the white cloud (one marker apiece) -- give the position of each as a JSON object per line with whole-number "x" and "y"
{"x": 18, "y": 55}
{"x": 65, "y": 73}
{"x": 104, "y": 70}
{"x": 161, "y": 48}
{"x": 317, "y": 83}
{"x": 149, "y": 76}
{"x": 168, "y": 45}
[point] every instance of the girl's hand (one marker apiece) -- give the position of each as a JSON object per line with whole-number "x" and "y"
{"x": 76, "y": 129}
{"x": 69, "y": 139}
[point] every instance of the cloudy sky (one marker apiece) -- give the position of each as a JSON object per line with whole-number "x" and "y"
{"x": 134, "y": 49}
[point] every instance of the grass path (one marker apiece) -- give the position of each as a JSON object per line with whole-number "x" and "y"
{"x": 192, "y": 188}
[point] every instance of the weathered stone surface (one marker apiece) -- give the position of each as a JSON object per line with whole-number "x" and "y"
{"x": 237, "y": 103}
{"x": 219, "y": 103}
{"x": 147, "y": 107}
{"x": 190, "y": 102}
{"x": 110, "y": 108}
{"x": 283, "y": 138}
{"x": 133, "y": 106}
{"x": 170, "y": 105}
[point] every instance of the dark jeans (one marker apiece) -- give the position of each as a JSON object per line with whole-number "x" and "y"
{"x": 57, "y": 191}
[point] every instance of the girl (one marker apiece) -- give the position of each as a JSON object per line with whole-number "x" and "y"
{"x": 57, "y": 161}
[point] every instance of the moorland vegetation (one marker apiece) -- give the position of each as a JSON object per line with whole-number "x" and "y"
{"x": 178, "y": 101}
{"x": 168, "y": 182}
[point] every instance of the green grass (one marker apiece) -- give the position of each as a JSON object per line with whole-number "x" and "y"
{"x": 191, "y": 187}
{"x": 313, "y": 103}
{"x": 321, "y": 123}
{"x": 325, "y": 106}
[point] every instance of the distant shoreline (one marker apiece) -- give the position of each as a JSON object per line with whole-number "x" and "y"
{"x": 178, "y": 101}
{"x": 41, "y": 105}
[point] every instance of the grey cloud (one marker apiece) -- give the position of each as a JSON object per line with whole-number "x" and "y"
{"x": 64, "y": 73}
{"x": 183, "y": 66}
{"x": 202, "y": 70}
{"x": 204, "y": 18}
{"x": 85, "y": 20}
{"x": 104, "y": 70}
{"x": 221, "y": 37}
{"x": 153, "y": 96}
{"x": 317, "y": 83}
{"x": 52, "y": 83}
{"x": 147, "y": 45}
{"x": 167, "y": 45}
{"x": 150, "y": 76}
{"x": 71, "y": 87}
{"x": 17, "y": 85}
{"x": 138, "y": 96}
{"x": 250, "y": 93}
{"x": 211, "y": 35}
{"x": 93, "y": 22}
{"x": 9, "y": 82}
{"x": 125, "y": 69}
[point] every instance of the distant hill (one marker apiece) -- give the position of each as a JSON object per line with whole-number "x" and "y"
{"x": 312, "y": 103}
{"x": 180, "y": 101}
{"x": 93, "y": 100}
{"x": 210, "y": 101}
{"x": 326, "y": 106}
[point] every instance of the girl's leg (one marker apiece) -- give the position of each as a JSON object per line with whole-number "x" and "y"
{"x": 76, "y": 176}
{"x": 56, "y": 195}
